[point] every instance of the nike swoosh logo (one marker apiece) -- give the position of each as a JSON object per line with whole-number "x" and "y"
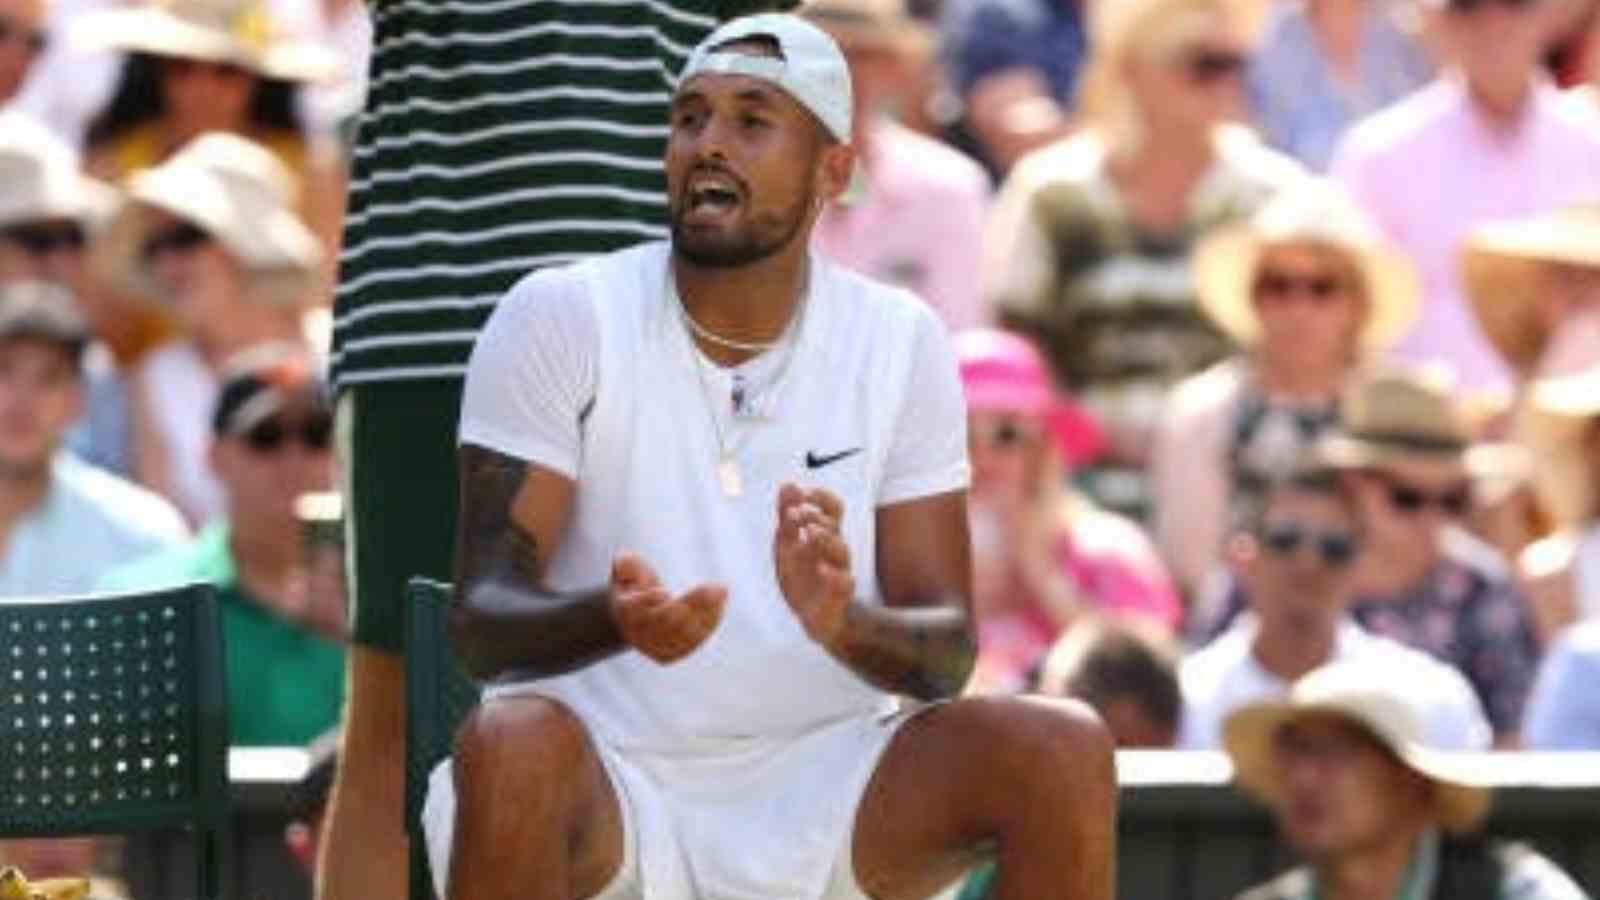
{"x": 813, "y": 461}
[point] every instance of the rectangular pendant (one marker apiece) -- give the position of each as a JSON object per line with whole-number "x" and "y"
{"x": 728, "y": 477}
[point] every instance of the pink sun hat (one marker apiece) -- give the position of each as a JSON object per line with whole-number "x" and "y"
{"x": 1002, "y": 371}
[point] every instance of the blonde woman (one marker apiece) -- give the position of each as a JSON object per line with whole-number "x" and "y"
{"x": 1088, "y": 246}
{"x": 1306, "y": 290}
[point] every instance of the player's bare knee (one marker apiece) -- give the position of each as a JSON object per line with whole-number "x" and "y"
{"x": 1055, "y": 743}
{"x": 530, "y": 745}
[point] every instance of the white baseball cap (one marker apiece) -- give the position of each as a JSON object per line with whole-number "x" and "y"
{"x": 812, "y": 71}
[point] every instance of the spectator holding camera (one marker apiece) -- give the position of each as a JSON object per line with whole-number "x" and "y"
{"x": 272, "y": 434}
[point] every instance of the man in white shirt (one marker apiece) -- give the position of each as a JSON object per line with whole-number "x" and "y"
{"x": 749, "y": 466}
{"x": 63, "y": 523}
{"x": 1294, "y": 554}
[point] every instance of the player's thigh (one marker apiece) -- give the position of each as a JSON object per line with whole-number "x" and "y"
{"x": 953, "y": 778}
{"x": 398, "y": 447}
{"x": 533, "y": 794}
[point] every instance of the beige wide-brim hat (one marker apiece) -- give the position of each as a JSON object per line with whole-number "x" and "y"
{"x": 1552, "y": 423}
{"x": 1316, "y": 212}
{"x": 42, "y": 179}
{"x": 236, "y": 191}
{"x": 241, "y": 32}
{"x": 872, "y": 24}
{"x": 1393, "y": 414}
{"x": 1502, "y": 265}
{"x": 1375, "y": 698}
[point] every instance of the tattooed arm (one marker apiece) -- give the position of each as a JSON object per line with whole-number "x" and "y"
{"x": 919, "y": 641}
{"x": 512, "y": 516}
{"x": 506, "y": 623}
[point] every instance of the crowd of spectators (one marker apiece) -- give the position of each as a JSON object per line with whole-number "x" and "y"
{"x": 1278, "y": 320}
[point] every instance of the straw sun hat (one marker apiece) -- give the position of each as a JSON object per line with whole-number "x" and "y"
{"x": 1383, "y": 702}
{"x": 1313, "y": 212}
{"x": 1502, "y": 266}
{"x": 42, "y": 178}
{"x": 238, "y": 32}
{"x": 1394, "y": 414}
{"x": 237, "y": 192}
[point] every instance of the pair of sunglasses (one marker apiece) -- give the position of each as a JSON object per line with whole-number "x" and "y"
{"x": 272, "y": 435}
{"x": 1207, "y": 66}
{"x": 1336, "y": 548}
{"x": 1006, "y": 435}
{"x": 1412, "y": 500}
{"x": 34, "y": 40}
{"x": 43, "y": 240}
{"x": 180, "y": 237}
{"x": 1468, "y": 6}
{"x": 1277, "y": 285}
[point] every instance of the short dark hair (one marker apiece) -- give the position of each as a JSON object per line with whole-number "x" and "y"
{"x": 1099, "y": 660}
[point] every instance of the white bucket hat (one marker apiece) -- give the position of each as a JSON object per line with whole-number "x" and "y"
{"x": 240, "y": 32}
{"x": 1314, "y": 211}
{"x": 238, "y": 193}
{"x": 40, "y": 178}
{"x": 813, "y": 70}
{"x": 1387, "y": 701}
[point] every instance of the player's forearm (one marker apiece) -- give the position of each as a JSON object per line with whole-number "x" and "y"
{"x": 925, "y": 652}
{"x": 503, "y": 628}
{"x": 504, "y": 621}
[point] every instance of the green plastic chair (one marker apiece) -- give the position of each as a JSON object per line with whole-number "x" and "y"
{"x": 113, "y": 720}
{"x": 439, "y": 694}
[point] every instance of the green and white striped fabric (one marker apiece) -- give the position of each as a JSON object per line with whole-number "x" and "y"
{"x": 499, "y": 136}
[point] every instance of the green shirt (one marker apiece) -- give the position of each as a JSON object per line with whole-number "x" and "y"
{"x": 500, "y": 136}
{"x": 285, "y": 683}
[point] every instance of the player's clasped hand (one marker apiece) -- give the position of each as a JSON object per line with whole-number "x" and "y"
{"x": 813, "y": 560}
{"x": 652, "y": 621}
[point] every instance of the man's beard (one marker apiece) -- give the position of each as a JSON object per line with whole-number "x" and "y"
{"x": 742, "y": 247}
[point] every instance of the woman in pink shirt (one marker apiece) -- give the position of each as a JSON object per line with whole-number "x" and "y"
{"x": 1044, "y": 554}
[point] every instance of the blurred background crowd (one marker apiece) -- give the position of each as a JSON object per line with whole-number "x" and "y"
{"x": 1279, "y": 322}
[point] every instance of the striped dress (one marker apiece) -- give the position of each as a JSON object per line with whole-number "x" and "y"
{"x": 499, "y": 136}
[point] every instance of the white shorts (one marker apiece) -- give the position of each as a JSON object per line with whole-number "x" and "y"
{"x": 756, "y": 819}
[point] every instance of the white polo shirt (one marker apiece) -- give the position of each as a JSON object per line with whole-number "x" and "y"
{"x": 865, "y": 384}
{"x": 1224, "y": 676}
